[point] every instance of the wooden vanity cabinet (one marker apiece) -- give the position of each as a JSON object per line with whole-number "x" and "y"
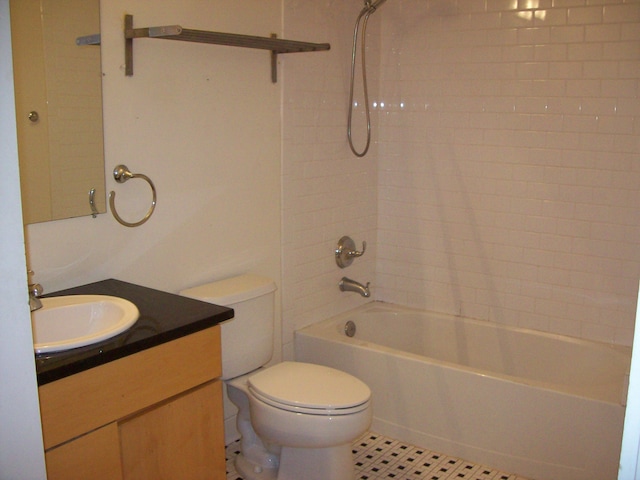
{"x": 152, "y": 415}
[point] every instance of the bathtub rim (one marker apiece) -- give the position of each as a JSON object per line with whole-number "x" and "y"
{"x": 330, "y": 329}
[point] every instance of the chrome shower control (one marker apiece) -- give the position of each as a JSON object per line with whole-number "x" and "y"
{"x": 346, "y": 251}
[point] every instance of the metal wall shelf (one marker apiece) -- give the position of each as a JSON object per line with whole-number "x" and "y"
{"x": 275, "y": 45}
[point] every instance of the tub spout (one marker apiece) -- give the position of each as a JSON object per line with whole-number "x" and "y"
{"x": 348, "y": 285}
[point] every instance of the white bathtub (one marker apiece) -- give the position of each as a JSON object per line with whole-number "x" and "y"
{"x": 544, "y": 406}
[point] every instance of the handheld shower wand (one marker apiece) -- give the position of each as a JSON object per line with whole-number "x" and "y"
{"x": 369, "y": 7}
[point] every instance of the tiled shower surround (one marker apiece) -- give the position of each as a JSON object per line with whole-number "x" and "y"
{"x": 504, "y": 181}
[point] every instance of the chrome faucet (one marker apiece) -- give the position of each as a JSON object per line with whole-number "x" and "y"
{"x": 348, "y": 285}
{"x": 35, "y": 290}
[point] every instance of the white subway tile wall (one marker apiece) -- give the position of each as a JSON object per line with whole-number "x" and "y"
{"x": 327, "y": 191}
{"x": 511, "y": 157}
{"x": 504, "y": 183}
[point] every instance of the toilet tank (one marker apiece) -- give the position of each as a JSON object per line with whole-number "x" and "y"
{"x": 247, "y": 339}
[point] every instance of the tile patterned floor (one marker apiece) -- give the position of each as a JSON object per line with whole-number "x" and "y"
{"x": 378, "y": 457}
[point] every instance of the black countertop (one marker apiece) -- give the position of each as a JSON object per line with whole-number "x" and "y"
{"x": 163, "y": 317}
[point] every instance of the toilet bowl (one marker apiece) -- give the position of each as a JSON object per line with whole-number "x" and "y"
{"x": 296, "y": 420}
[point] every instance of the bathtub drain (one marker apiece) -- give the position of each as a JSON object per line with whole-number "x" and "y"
{"x": 350, "y": 329}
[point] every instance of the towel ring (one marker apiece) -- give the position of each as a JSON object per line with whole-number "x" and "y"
{"x": 121, "y": 174}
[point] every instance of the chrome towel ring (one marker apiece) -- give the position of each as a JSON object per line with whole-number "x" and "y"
{"x": 121, "y": 174}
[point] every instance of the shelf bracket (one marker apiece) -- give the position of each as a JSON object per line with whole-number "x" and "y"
{"x": 274, "y": 63}
{"x": 128, "y": 45}
{"x": 176, "y": 32}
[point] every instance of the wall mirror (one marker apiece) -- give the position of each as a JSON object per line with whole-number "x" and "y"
{"x": 58, "y": 108}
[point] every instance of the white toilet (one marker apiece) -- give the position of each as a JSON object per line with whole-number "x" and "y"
{"x": 297, "y": 420}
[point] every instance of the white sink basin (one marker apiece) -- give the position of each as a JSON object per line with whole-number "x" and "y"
{"x": 77, "y": 320}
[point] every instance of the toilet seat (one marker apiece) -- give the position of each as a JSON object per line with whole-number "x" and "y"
{"x": 310, "y": 411}
{"x": 310, "y": 389}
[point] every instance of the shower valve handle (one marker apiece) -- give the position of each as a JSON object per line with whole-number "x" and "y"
{"x": 346, "y": 251}
{"x": 355, "y": 253}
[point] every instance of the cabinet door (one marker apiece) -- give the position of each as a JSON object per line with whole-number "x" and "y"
{"x": 95, "y": 455}
{"x": 182, "y": 438}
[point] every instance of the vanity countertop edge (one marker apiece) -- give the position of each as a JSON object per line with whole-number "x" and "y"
{"x": 163, "y": 317}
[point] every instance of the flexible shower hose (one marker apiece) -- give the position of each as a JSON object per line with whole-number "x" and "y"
{"x": 364, "y": 13}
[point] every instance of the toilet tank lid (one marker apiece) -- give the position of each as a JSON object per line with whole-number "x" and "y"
{"x": 232, "y": 290}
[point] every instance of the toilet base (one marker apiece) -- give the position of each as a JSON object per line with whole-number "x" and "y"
{"x": 335, "y": 463}
{"x": 251, "y": 471}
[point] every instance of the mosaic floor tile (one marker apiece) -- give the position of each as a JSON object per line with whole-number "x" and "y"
{"x": 378, "y": 457}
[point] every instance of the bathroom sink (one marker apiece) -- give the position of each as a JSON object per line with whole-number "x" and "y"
{"x": 74, "y": 321}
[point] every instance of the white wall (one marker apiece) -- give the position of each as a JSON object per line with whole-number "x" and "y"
{"x": 21, "y": 455}
{"x": 327, "y": 191}
{"x": 203, "y": 122}
{"x": 509, "y": 162}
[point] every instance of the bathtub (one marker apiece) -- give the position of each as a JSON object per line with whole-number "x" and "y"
{"x": 544, "y": 406}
